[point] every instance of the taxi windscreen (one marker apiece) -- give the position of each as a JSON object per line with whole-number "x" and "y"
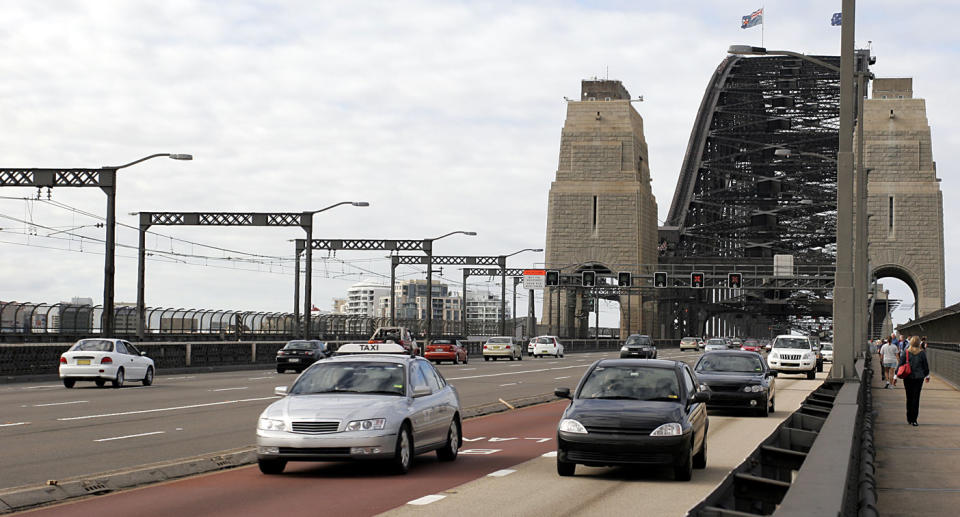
{"x": 348, "y": 377}
{"x": 631, "y": 382}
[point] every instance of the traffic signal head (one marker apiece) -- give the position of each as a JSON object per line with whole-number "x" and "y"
{"x": 588, "y": 278}
{"x": 696, "y": 279}
{"x": 660, "y": 279}
{"x": 624, "y": 279}
{"x": 735, "y": 280}
{"x": 553, "y": 277}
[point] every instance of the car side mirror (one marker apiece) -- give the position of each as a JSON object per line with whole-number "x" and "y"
{"x": 144, "y": 354}
{"x": 280, "y": 390}
{"x": 700, "y": 396}
{"x": 421, "y": 391}
{"x": 563, "y": 393}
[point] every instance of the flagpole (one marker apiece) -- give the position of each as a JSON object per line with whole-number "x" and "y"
{"x": 763, "y": 21}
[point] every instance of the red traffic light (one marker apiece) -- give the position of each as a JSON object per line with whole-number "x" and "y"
{"x": 696, "y": 280}
{"x": 735, "y": 280}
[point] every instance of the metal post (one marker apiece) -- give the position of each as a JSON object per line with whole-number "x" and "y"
{"x": 296, "y": 294}
{"x": 503, "y": 297}
{"x": 307, "y": 224}
{"x": 629, "y": 310}
{"x": 531, "y": 321}
{"x": 108, "y": 180}
{"x": 514, "y": 307}
{"x": 596, "y": 321}
{"x": 141, "y": 277}
{"x": 463, "y": 305}
{"x": 861, "y": 272}
{"x": 843, "y": 298}
{"x": 428, "y": 249}
{"x": 393, "y": 291}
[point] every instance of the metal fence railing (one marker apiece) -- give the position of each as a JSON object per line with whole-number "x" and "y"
{"x": 944, "y": 361}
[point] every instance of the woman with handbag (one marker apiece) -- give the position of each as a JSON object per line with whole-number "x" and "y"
{"x": 914, "y": 370}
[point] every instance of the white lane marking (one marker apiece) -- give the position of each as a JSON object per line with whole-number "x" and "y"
{"x": 258, "y": 378}
{"x": 427, "y": 499}
{"x": 515, "y": 365}
{"x": 501, "y": 473}
{"x": 473, "y": 439}
{"x": 581, "y": 360}
{"x": 230, "y": 389}
{"x": 177, "y": 378}
{"x": 157, "y": 410}
{"x": 127, "y": 436}
{"x": 61, "y": 403}
{"x": 564, "y": 377}
{"x": 508, "y": 384}
{"x": 13, "y": 424}
{"x": 514, "y": 373}
{"x": 466, "y": 369}
{"x": 40, "y": 387}
{"x": 553, "y": 362}
{"x": 551, "y": 454}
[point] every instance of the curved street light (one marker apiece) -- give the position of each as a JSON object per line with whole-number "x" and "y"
{"x": 428, "y": 249}
{"x": 503, "y": 288}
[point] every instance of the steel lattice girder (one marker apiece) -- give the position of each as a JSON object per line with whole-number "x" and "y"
{"x": 223, "y": 219}
{"x": 491, "y": 272}
{"x": 452, "y": 260}
{"x": 368, "y": 244}
{"x": 33, "y": 177}
{"x": 735, "y": 198}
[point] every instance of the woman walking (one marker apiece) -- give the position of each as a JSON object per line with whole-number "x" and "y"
{"x": 888, "y": 361}
{"x": 915, "y": 357}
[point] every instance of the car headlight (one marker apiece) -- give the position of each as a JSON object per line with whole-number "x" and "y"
{"x": 671, "y": 429}
{"x": 270, "y": 424}
{"x": 568, "y": 425}
{"x": 809, "y": 356}
{"x": 371, "y": 424}
{"x": 624, "y": 349}
{"x": 773, "y": 355}
{"x": 755, "y": 388}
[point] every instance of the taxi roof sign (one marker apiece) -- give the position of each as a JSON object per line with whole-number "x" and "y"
{"x": 371, "y": 348}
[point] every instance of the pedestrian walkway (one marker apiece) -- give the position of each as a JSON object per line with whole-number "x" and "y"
{"x": 918, "y": 468}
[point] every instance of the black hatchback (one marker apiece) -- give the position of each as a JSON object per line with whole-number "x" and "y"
{"x": 297, "y": 355}
{"x": 639, "y": 346}
{"x": 738, "y": 379}
{"x": 634, "y": 412}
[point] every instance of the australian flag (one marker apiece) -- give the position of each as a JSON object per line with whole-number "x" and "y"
{"x": 836, "y": 19}
{"x": 754, "y": 18}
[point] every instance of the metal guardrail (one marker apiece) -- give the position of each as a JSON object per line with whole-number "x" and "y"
{"x": 944, "y": 360}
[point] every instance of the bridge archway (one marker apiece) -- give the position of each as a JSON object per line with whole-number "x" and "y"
{"x": 897, "y": 281}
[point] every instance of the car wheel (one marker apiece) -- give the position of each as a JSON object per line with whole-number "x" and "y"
{"x": 684, "y": 471}
{"x": 69, "y": 383}
{"x": 700, "y": 460}
{"x": 148, "y": 377}
{"x": 118, "y": 381}
{"x": 280, "y": 370}
{"x": 564, "y": 468}
{"x": 512, "y": 357}
{"x": 520, "y": 357}
{"x": 272, "y": 467}
{"x": 403, "y": 455}
{"x": 764, "y": 411}
{"x": 812, "y": 373}
{"x": 100, "y": 383}
{"x": 485, "y": 358}
{"x": 449, "y": 450}
{"x": 772, "y": 405}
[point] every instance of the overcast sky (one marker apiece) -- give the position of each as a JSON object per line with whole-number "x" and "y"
{"x": 443, "y": 115}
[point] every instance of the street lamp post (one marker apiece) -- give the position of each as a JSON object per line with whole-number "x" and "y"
{"x": 308, "y": 279}
{"x": 108, "y": 184}
{"x": 428, "y": 249}
{"x": 502, "y": 262}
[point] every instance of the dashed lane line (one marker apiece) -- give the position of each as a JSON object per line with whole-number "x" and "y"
{"x": 158, "y": 410}
{"x": 62, "y": 403}
{"x": 128, "y": 436}
{"x": 514, "y": 373}
{"x": 230, "y": 389}
{"x": 427, "y": 499}
{"x": 12, "y": 424}
{"x": 501, "y": 473}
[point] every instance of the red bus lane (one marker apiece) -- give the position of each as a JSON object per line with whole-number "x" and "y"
{"x": 491, "y": 443}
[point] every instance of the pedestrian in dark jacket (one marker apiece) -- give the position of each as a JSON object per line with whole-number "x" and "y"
{"x": 913, "y": 382}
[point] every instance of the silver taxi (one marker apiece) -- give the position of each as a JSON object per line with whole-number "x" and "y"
{"x": 371, "y": 401}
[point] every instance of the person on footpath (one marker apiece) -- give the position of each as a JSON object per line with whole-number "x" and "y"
{"x": 883, "y": 369}
{"x": 888, "y": 360}
{"x": 916, "y": 357}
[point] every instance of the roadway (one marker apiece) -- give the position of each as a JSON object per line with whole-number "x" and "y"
{"x": 506, "y": 467}
{"x": 53, "y": 433}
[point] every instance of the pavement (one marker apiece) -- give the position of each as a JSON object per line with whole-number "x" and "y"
{"x": 918, "y": 468}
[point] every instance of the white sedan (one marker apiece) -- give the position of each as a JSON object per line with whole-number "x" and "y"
{"x": 547, "y": 345}
{"x": 102, "y": 359}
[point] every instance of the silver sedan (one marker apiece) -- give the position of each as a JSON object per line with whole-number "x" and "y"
{"x": 356, "y": 407}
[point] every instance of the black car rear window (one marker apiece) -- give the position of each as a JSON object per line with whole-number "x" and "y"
{"x": 301, "y": 345}
{"x": 729, "y": 363}
{"x": 631, "y": 382}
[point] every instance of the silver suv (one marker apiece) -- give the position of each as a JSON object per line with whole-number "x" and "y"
{"x": 793, "y": 354}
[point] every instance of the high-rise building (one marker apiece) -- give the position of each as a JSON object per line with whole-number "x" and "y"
{"x": 363, "y": 298}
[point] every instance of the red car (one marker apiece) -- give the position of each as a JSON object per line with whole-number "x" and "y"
{"x": 446, "y": 350}
{"x": 751, "y": 345}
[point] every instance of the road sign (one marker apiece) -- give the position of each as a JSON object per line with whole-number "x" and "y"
{"x": 624, "y": 279}
{"x": 696, "y": 279}
{"x": 534, "y": 278}
{"x": 660, "y": 279}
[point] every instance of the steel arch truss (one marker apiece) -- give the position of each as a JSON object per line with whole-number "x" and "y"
{"x": 736, "y": 198}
